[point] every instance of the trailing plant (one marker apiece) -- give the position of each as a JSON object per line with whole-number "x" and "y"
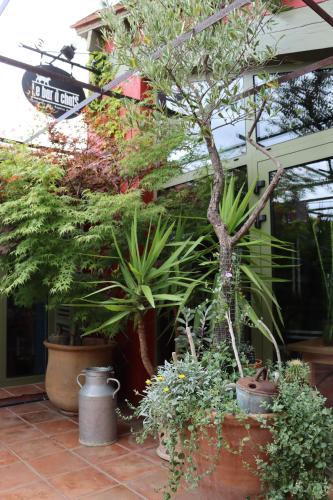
{"x": 178, "y": 402}
{"x": 299, "y": 458}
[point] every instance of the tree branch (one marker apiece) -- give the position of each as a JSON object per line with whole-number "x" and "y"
{"x": 270, "y": 188}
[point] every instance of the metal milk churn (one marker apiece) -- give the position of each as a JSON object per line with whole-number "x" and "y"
{"x": 97, "y": 407}
{"x": 252, "y": 392}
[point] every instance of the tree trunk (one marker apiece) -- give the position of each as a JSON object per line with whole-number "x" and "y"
{"x": 144, "y": 347}
{"x": 221, "y": 231}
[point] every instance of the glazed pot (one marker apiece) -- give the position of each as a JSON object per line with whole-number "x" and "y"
{"x": 65, "y": 362}
{"x": 234, "y": 476}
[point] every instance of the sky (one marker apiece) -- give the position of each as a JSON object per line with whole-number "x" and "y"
{"x": 33, "y": 22}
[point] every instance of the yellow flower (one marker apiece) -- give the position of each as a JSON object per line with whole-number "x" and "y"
{"x": 148, "y": 381}
{"x": 160, "y": 378}
{"x": 181, "y": 376}
{"x": 166, "y": 389}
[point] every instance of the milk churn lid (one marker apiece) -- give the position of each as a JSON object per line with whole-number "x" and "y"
{"x": 259, "y": 384}
{"x": 99, "y": 370}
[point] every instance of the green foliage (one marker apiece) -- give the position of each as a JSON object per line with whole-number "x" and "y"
{"x": 255, "y": 254}
{"x": 301, "y": 454}
{"x": 48, "y": 237}
{"x": 178, "y": 402}
{"x": 146, "y": 275}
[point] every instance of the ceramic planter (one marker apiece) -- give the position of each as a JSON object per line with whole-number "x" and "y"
{"x": 234, "y": 476}
{"x": 65, "y": 362}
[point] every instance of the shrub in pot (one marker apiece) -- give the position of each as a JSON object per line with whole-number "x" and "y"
{"x": 300, "y": 455}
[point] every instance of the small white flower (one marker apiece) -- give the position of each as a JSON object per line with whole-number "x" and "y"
{"x": 228, "y": 275}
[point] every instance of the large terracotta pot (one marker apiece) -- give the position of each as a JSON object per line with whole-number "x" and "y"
{"x": 65, "y": 362}
{"x": 233, "y": 478}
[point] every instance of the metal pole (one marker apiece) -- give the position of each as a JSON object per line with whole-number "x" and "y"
{"x": 3, "y": 6}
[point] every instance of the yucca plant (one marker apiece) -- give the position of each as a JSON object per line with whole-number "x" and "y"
{"x": 255, "y": 253}
{"x": 151, "y": 276}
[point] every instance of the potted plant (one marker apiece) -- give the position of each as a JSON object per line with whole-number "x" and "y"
{"x": 299, "y": 458}
{"x": 55, "y": 218}
{"x": 211, "y": 442}
{"x": 206, "y": 436}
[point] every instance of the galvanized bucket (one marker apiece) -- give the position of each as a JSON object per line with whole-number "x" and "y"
{"x": 97, "y": 407}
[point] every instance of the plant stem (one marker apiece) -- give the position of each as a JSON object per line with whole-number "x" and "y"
{"x": 144, "y": 346}
{"x": 233, "y": 342}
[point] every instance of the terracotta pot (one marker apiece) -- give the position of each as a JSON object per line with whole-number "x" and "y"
{"x": 65, "y": 362}
{"x": 233, "y": 478}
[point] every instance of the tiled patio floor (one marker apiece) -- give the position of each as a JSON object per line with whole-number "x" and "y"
{"x": 41, "y": 458}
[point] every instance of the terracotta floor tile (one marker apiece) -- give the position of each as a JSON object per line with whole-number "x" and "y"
{"x": 26, "y": 408}
{"x": 50, "y": 405}
{"x": 151, "y": 454}
{"x": 23, "y": 432}
{"x": 117, "y": 493}
{"x": 128, "y": 466}
{"x": 190, "y": 494}
{"x": 57, "y": 425}
{"x": 6, "y": 457}
{"x": 81, "y": 482}
{"x": 15, "y": 474}
{"x": 4, "y": 394}
{"x": 19, "y": 390}
{"x": 150, "y": 485}
{"x": 129, "y": 441}
{"x": 8, "y": 419}
{"x": 98, "y": 455}
{"x": 57, "y": 463}
{"x": 69, "y": 439}
{"x": 34, "y": 491}
{"x": 39, "y": 416}
{"x": 35, "y": 448}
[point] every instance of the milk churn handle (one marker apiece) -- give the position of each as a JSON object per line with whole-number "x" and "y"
{"x": 261, "y": 372}
{"x": 117, "y": 382}
{"x": 78, "y": 378}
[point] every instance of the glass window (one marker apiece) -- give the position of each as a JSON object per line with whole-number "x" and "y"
{"x": 26, "y": 330}
{"x": 301, "y": 106}
{"x": 303, "y": 197}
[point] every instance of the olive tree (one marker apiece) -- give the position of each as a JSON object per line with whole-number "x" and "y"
{"x": 201, "y": 81}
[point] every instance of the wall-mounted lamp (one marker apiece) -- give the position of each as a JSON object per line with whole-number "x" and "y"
{"x": 259, "y": 185}
{"x": 259, "y": 220}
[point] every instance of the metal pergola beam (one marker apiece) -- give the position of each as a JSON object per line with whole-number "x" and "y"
{"x": 320, "y": 11}
{"x": 3, "y": 6}
{"x": 58, "y": 76}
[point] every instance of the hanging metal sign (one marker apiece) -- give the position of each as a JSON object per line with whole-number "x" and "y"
{"x": 51, "y": 94}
